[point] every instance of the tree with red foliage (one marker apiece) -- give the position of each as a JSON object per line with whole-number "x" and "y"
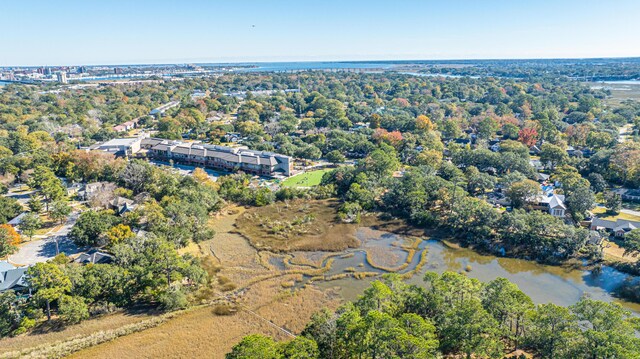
{"x": 528, "y": 136}
{"x": 394, "y": 138}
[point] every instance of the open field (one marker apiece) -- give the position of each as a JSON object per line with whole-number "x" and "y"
{"x": 297, "y": 225}
{"x": 612, "y": 251}
{"x": 307, "y": 179}
{"x": 201, "y": 333}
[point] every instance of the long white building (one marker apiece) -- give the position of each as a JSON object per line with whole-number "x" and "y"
{"x": 219, "y": 157}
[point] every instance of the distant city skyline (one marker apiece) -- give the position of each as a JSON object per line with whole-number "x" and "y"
{"x": 73, "y": 32}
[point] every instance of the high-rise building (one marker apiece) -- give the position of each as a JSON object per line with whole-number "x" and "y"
{"x": 62, "y": 77}
{"x": 82, "y": 70}
{"x": 117, "y": 70}
{"x": 47, "y": 71}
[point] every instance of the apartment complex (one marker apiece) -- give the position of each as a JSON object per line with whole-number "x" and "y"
{"x": 219, "y": 157}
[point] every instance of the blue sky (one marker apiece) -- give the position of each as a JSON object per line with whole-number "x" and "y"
{"x": 141, "y": 31}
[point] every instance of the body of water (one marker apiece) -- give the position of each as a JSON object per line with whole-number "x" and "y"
{"x": 543, "y": 283}
{"x": 304, "y": 66}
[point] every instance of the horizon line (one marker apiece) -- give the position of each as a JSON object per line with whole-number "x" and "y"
{"x": 239, "y": 62}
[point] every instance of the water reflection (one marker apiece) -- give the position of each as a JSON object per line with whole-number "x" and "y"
{"x": 543, "y": 283}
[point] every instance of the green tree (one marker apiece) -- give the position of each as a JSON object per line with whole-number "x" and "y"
{"x": 508, "y": 305}
{"x": 335, "y": 156}
{"x": 607, "y": 330}
{"x": 631, "y": 243}
{"x": 9, "y": 209}
{"x": 90, "y": 228}
{"x": 30, "y": 223}
{"x": 35, "y": 204}
{"x": 523, "y": 191}
{"x": 255, "y": 346}
{"x": 300, "y": 348}
{"x": 9, "y": 314}
{"x": 72, "y": 310}
{"x": 553, "y": 331}
{"x": 60, "y": 210}
{"x": 613, "y": 202}
{"x": 469, "y": 329}
{"x": 553, "y": 155}
{"x": 49, "y": 283}
{"x": 580, "y": 200}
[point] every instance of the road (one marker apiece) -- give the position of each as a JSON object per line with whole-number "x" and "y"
{"x": 43, "y": 249}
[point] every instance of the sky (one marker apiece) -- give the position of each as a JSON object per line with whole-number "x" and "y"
{"x": 92, "y": 32}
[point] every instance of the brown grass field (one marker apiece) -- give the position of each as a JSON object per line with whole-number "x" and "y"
{"x": 201, "y": 333}
{"x": 297, "y": 226}
{"x": 262, "y": 296}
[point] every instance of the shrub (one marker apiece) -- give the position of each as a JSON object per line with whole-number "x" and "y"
{"x": 173, "y": 299}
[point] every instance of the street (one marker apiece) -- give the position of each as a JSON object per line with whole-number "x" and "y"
{"x": 43, "y": 249}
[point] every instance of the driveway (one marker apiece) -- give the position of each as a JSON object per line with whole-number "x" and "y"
{"x": 41, "y": 250}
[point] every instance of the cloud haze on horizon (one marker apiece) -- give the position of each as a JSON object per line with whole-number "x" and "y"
{"x": 73, "y": 32}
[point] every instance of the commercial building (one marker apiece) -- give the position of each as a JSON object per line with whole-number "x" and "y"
{"x": 124, "y": 147}
{"x": 62, "y": 77}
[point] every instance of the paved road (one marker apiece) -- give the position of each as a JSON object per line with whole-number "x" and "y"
{"x": 629, "y": 211}
{"x": 41, "y": 250}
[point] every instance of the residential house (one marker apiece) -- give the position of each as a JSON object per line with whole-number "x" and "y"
{"x": 618, "y": 228}
{"x": 551, "y": 203}
{"x": 15, "y": 223}
{"x": 94, "y": 256}
{"x": 12, "y": 277}
{"x": 122, "y": 205}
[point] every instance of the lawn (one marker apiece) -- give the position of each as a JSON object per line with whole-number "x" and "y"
{"x": 600, "y": 212}
{"x": 307, "y": 179}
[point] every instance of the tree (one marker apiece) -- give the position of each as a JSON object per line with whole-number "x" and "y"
{"x": 508, "y": 305}
{"x": 9, "y": 209}
{"x": 613, "y": 202}
{"x": 598, "y": 184}
{"x": 9, "y": 239}
{"x": 528, "y": 136}
{"x": 29, "y": 224}
{"x": 631, "y": 243}
{"x": 523, "y": 191}
{"x": 469, "y": 329}
{"x": 579, "y": 201}
{"x": 424, "y": 124}
{"x": 487, "y": 127}
{"x": 553, "y": 331}
{"x": 72, "y": 310}
{"x": 9, "y": 315}
{"x": 478, "y": 182}
{"x": 49, "y": 283}
{"x": 50, "y": 186}
{"x": 553, "y": 155}
{"x": 382, "y": 161}
{"x": 335, "y": 156}
{"x": 35, "y": 204}
{"x": 90, "y": 228}
{"x": 607, "y": 330}
{"x": 60, "y": 210}
{"x": 255, "y": 346}
{"x": 119, "y": 233}
{"x": 300, "y": 348}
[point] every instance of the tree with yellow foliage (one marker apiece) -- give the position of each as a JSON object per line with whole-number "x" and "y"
{"x": 423, "y": 123}
{"x": 9, "y": 239}
{"x": 119, "y": 233}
